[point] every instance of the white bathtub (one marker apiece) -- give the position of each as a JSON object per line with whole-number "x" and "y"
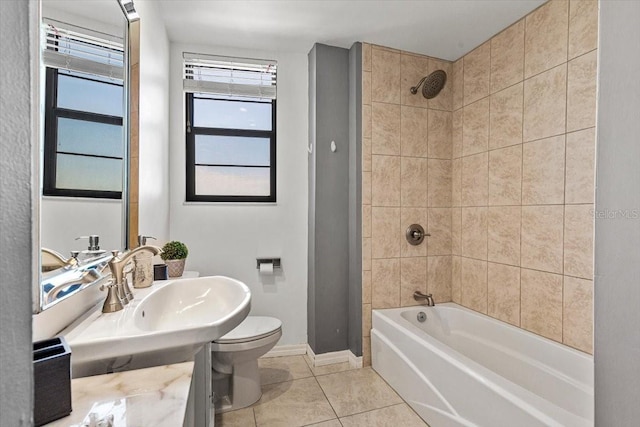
{"x": 461, "y": 368}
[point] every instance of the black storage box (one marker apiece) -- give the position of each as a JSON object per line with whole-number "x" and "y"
{"x": 51, "y": 380}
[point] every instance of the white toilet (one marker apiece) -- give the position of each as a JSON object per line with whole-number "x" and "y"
{"x": 234, "y": 361}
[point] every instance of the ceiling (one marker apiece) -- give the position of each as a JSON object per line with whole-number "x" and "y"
{"x": 444, "y": 29}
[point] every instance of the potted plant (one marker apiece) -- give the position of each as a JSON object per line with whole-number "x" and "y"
{"x": 174, "y": 254}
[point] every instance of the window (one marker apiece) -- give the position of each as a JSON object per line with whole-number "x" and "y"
{"x": 230, "y": 129}
{"x": 83, "y": 141}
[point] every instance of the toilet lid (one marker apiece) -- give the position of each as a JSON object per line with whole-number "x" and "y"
{"x": 252, "y": 328}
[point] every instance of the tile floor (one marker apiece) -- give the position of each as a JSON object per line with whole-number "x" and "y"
{"x": 294, "y": 393}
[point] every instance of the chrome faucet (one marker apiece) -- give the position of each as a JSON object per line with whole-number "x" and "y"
{"x": 419, "y": 296}
{"x": 118, "y": 292}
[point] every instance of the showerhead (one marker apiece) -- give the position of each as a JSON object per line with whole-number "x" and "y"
{"x": 431, "y": 84}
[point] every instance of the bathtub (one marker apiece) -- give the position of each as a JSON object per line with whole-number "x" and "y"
{"x": 462, "y": 368}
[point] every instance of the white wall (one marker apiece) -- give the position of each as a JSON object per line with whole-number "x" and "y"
{"x": 226, "y": 239}
{"x": 154, "y": 123}
{"x": 16, "y": 215}
{"x": 617, "y": 249}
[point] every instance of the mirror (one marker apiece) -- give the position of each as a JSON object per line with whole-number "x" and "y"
{"x": 88, "y": 110}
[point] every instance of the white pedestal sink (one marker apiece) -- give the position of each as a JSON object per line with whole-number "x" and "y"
{"x": 166, "y": 323}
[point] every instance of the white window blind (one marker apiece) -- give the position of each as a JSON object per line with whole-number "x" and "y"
{"x": 222, "y": 75}
{"x": 68, "y": 47}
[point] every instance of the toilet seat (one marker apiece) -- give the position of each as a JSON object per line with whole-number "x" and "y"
{"x": 252, "y": 328}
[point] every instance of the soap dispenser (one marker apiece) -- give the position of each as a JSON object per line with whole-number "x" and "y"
{"x": 143, "y": 265}
{"x": 93, "y": 250}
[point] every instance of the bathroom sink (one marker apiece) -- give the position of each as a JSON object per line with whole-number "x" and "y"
{"x": 166, "y": 323}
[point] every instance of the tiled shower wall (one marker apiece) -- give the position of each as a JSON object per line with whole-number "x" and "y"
{"x": 511, "y": 216}
{"x": 406, "y": 154}
{"x": 524, "y": 107}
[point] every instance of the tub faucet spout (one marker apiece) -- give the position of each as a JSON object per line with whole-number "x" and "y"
{"x": 419, "y": 296}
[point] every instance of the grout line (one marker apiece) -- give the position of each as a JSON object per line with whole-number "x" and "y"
{"x": 326, "y": 398}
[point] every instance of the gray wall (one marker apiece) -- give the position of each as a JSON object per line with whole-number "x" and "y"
{"x": 617, "y": 249}
{"x": 328, "y": 296}
{"x": 355, "y": 199}
{"x": 15, "y": 216}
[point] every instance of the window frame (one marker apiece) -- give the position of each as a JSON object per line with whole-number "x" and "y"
{"x": 190, "y": 137}
{"x": 52, "y": 114}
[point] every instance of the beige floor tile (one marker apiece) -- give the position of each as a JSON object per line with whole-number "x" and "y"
{"x": 397, "y": 415}
{"x": 357, "y": 391}
{"x": 292, "y": 403}
{"x": 239, "y": 418}
{"x": 329, "y": 369}
{"x": 280, "y": 369}
{"x": 330, "y": 423}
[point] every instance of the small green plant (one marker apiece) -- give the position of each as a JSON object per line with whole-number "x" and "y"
{"x": 174, "y": 250}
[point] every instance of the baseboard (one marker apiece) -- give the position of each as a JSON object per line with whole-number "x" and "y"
{"x": 334, "y": 357}
{"x": 287, "y": 350}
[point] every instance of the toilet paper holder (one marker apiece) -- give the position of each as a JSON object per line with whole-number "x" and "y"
{"x": 275, "y": 261}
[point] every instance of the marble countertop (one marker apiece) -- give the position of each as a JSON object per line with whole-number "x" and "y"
{"x": 144, "y": 397}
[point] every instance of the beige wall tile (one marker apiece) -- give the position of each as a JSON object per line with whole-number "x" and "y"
{"x": 366, "y": 220}
{"x": 366, "y": 351}
{"x": 456, "y": 231}
{"x": 366, "y": 188}
{"x": 385, "y": 283}
{"x": 583, "y": 26}
{"x": 366, "y": 154}
{"x": 413, "y": 68}
{"x": 578, "y": 241}
{"x": 385, "y": 239}
{"x": 457, "y": 83}
{"x": 439, "y": 278}
{"x": 366, "y": 57}
{"x": 504, "y": 293}
{"x": 577, "y": 324}
{"x": 456, "y": 133}
{"x": 366, "y": 320}
{"x": 541, "y": 307}
{"x": 474, "y": 284}
{"x": 413, "y": 277}
{"x": 541, "y": 238}
{"x": 439, "y": 183}
{"x": 440, "y": 134}
{"x": 410, "y": 216}
{"x": 545, "y": 104}
{"x": 366, "y": 87}
{"x": 444, "y": 100}
{"x": 475, "y": 180}
{"x": 366, "y": 121}
{"x": 414, "y": 131}
{"x": 475, "y": 127}
{"x": 580, "y": 173}
{"x": 506, "y": 117}
{"x": 366, "y": 287}
{"x": 439, "y": 243}
{"x": 543, "y": 171}
{"x": 477, "y": 73}
{"x": 504, "y": 234}
{"x": 545, "y": 43}
{"x": 385, "y": 180}
{"x": 505, "y": 176}
{"x": 456, "y": 279}
{"x": 474, "y": 232}
{"x": 385, "y": 76}
{"x": 385, "y": 138}
{"x": 366, "y": 253}
{"x": 581, "y": 92}
{"x": 413, "y": 180}
{"x": 507, "y": 57}
{"x": 456, "y": 182}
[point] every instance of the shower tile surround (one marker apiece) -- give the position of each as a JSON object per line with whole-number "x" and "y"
{"x": 499, "y": 168}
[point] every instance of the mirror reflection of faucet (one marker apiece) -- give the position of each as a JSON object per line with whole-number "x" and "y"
{"x": 93, "y": 249}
